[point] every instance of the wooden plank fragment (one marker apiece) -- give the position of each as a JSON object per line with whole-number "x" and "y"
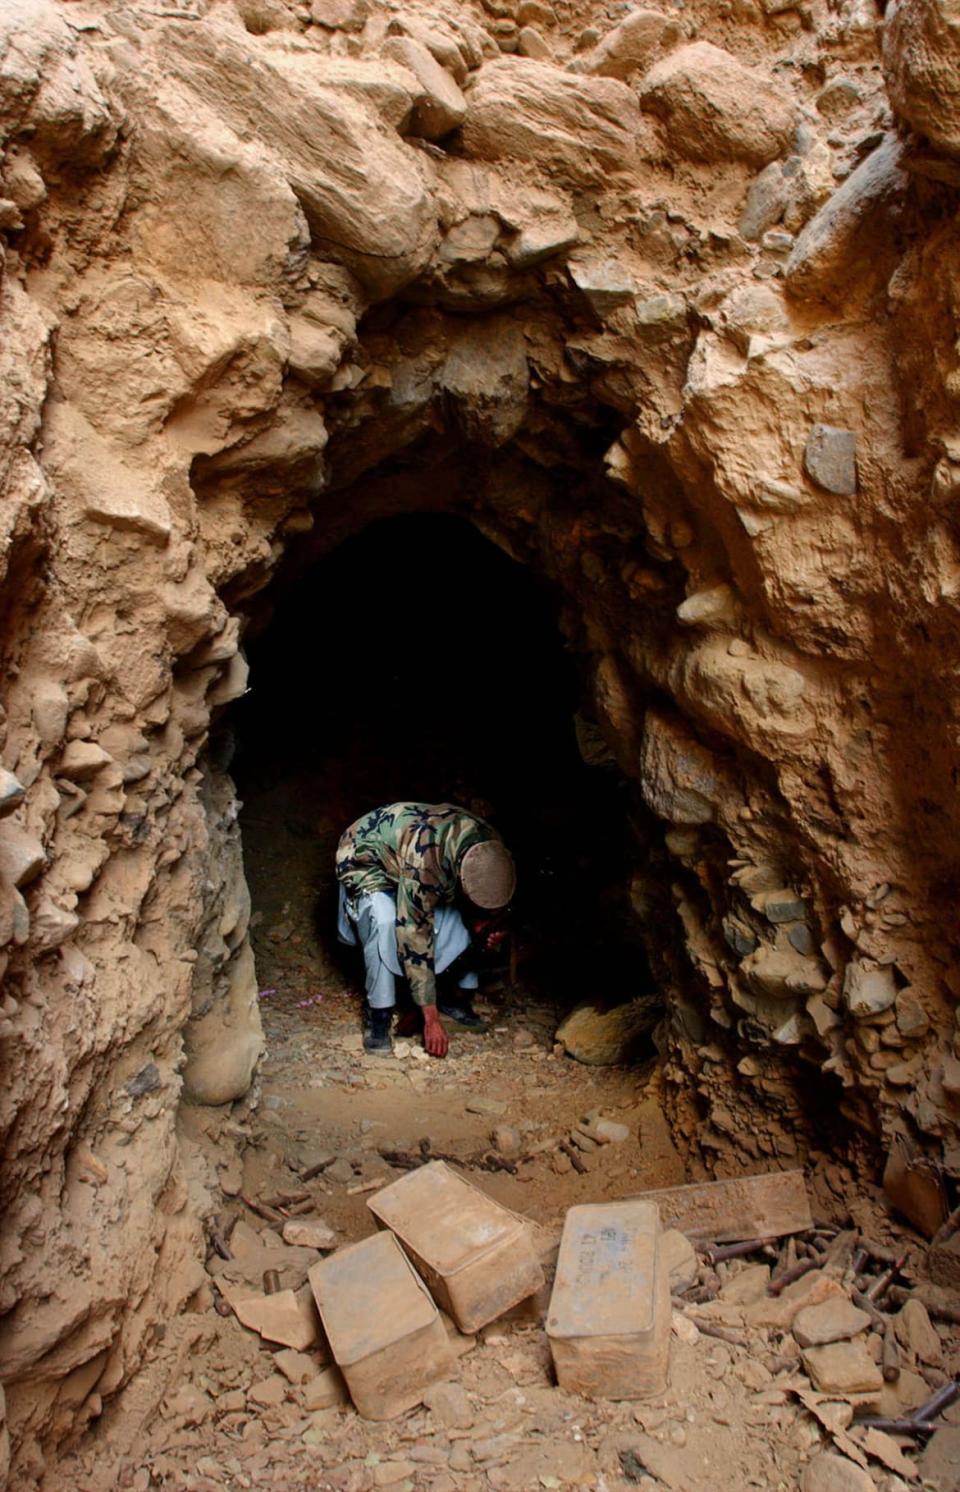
{"x": 737, "y": 1208}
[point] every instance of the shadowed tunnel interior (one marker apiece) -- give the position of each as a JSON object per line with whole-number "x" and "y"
{"x": 417, "y": 660}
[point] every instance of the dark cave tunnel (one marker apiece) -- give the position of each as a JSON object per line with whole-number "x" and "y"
{"x": 417, "y": 660}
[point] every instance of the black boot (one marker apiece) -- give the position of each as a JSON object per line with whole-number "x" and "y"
{"x": 376, "y": 1034}
{"x": 459, "y": 1008}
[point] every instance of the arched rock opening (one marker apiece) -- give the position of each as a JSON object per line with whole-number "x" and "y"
{"x": 416, "y": 660}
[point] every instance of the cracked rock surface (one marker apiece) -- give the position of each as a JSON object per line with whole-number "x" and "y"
{"x": 665, "y": 304}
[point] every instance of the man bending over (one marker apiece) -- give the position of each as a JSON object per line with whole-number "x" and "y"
{"x": 418, "y": 881}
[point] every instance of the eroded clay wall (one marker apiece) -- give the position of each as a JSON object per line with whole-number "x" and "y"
{"x": 665, "y": 302}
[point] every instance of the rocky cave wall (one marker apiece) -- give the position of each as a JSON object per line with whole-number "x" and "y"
{"x": 665, "y": 303}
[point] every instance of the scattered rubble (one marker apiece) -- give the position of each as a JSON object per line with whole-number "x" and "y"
{"x": 759, "y": 1280}
{"x": 737, "y": 1330}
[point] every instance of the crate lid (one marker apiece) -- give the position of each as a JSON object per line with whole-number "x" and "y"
{"x": 369, "y": 1297}
{"x": 607, "y": 1271}
{"x": 446, "y": 1221}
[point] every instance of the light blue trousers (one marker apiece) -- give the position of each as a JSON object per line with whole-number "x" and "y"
{"x": 371, "y": 921}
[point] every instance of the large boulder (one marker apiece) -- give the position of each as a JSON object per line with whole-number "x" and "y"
{"x": 714, "y": 108}
{"x": 921, "y": 63}
{"x": 577, "y": 127}
{"x": 48, "y": 90}
{"x": 366, "y": 196}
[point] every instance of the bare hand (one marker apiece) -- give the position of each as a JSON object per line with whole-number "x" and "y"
{"x": 434, "y": 1036}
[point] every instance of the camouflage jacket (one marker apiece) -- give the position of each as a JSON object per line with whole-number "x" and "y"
{"x": 413, "y": 849}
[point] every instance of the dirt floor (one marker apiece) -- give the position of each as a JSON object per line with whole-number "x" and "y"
{"x": 211, "y": 1411}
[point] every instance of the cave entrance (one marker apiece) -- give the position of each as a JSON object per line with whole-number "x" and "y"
{"x": 417, "y": 660}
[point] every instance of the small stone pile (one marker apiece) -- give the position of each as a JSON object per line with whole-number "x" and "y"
{"x": 839, "y": 1322}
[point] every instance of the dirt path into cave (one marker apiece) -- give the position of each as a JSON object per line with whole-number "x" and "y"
{"x": 192, "y": 1420}
{"x": 321, "y": 1092}
{"x": 210, "y": 1412}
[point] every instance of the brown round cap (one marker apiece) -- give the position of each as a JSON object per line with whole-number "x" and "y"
{"x": 488, "y": 875}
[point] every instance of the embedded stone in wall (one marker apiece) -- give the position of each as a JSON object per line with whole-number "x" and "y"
{"x": 225, "y": 1043}
{"x": 778, "y": 905}
{"x": 22, "y": 856}
{"x": 739, "y": 693}
{"x": 679, "y": 777}
{"x": 709, "y": 607}
{"x": 921, "y": 65}
{"x": 579, "y": 127}
{"x": 11, "y": 792}
{"x": 851, "y": 244}
{"x": 766, "y": 200}
{"x": 549, "y": 230}
{"x": 783, "y": 973}
{"x": 632, "y": 45}
{"x": 366, "y": 196}
{"x": 912, "y": 1019}
{"x": 603, "y": 284}
{"x": 441, "y": 106}
{"x": 447, "y": 44}
{"x": 868, "y": 989}
{"x": 532, "y": 43}
{"x": 486, "y": 377}
{"x": 315, "y": 350}
{"x": 82, "y": 760}
{"x": 715, "y": 108}
{"x": 753, "y": 316}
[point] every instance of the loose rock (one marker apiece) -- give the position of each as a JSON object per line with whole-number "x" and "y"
{"x": 843, "y": 1368}
{"x": 325, "y": 1391}
{"x": 507, "y": 1141}
{"x": 834, "y": 1320}
{"x": 296, "y": 1367}
{"x": 489, "y": 1107}
{"x": 747, "y": 1286}
{"x": 311, "y": 1233}
{"x": 831, "y": 1473}
{"x": 680, "y": 1258}
{"x": 288, "y": 1317}
{"x": 604, "y": 1037}
{"x": 916, "y": 1334}
{"x": 268, "y": 1391}
{"x": 449, "y": 1404}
